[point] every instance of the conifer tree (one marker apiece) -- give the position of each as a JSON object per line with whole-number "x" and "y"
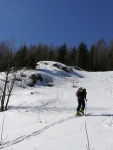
{"x": 110, "y": 57}
{"x": 73, "y": 57}
{"x": 21, "y": 57}
{"x": 82, "y": 58}
{"x": 62, "y": 50}
{"x": 92, "y": 59}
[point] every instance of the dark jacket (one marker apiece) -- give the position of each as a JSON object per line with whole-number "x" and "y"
{"x": 82, "y": 95}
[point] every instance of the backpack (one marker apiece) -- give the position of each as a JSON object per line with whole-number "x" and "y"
{"x": 77, "y": 93}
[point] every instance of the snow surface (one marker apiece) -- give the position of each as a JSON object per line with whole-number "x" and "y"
{"x": 43, "y": 118}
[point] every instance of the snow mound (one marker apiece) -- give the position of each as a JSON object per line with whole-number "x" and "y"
{"x": 48, "y": 73}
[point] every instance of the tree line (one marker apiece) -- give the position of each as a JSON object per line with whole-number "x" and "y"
{"x": 99, "y": 57}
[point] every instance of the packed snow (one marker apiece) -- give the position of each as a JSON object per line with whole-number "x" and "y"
{"x": 42, "y": 117}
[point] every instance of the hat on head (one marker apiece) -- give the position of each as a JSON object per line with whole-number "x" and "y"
{"x": 80, "y": 89}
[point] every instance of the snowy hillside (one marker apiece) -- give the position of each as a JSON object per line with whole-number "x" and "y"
{"x": 42, "y": 117}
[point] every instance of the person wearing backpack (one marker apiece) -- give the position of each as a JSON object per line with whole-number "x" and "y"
{"x": 81, "y": 94}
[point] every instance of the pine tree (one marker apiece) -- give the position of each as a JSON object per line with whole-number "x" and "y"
{"x": 82, "y": 58}
{"x": 21, "y": 57}
{"x": 62, "y": 53}
{"x": 92, "y": 59}
{"x": 110, "y": 57}
{"x": 73, "y": 56}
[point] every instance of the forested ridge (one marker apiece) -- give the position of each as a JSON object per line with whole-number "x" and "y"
{"x": 99, "y": 57}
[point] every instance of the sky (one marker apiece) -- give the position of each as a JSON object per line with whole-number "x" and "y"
{"x": 55, "y": 22}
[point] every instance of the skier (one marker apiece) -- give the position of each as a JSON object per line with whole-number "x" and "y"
{"x": 81, "y": 94}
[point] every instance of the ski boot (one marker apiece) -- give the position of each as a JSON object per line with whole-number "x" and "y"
{"x": 78, "y": 113}
{"x": 82, "y": 111}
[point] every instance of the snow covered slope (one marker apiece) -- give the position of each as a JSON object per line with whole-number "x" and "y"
{"x": 43, "y": 117}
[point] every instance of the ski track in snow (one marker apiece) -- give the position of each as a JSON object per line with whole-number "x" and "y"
{"x": 106, "y": 122}
{"x": 25, "y": 137}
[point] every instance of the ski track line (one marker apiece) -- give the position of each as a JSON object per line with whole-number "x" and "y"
{"x": 25, "y": 137}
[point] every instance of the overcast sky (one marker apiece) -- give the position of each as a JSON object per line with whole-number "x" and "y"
{"x": 56, "y": 21}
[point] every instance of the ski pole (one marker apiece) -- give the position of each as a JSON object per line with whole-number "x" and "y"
{"x": 85, "y": 107}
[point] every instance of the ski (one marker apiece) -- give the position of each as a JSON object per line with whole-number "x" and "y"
{"x": 88, "y": 114}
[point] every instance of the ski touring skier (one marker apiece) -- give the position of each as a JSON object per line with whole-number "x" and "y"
{"x": 81, "y": 94}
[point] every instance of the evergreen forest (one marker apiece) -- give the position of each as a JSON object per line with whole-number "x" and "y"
{"x": 99, "y": 57}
